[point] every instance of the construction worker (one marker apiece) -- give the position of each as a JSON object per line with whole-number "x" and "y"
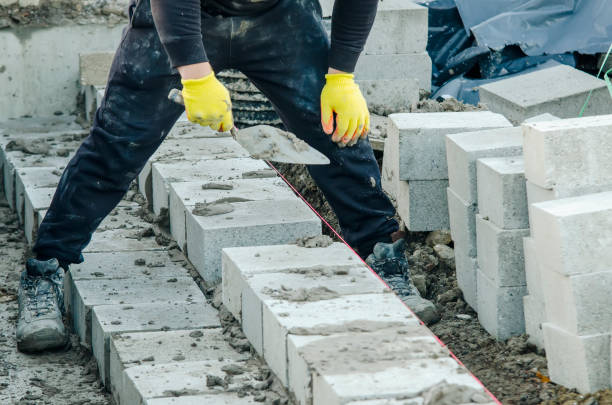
{"x": 283, "y": 48}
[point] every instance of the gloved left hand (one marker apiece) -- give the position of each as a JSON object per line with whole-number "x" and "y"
{"x": 342, "y": 96}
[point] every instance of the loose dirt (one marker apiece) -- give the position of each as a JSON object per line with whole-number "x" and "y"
{"x": 67, "y": 376}
{"x": 514, "y": 371}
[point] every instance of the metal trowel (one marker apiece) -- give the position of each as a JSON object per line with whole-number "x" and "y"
{"x": 270, "y": 143}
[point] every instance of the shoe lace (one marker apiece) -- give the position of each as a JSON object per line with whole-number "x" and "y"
{"x": 42, "y": 297}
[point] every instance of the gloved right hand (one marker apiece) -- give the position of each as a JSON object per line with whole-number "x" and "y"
{"x": 208, "y": 103}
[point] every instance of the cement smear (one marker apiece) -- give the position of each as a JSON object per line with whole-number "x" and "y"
{"x": 319, "y": 241}
{"x": 302, "y": 294}
{"x": 207, "y": 210}
{"x": 217, "y": 186}
{"x": 259, "y": 174}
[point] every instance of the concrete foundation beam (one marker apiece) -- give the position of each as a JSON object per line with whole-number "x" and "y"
{"x": 502, "y": 196}
{"x": 559, "y": 90}
{"x": 250, "y": 223}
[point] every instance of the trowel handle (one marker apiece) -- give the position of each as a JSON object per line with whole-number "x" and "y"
{"x": 176, "y": 96}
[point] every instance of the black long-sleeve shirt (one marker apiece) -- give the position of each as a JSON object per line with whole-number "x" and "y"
{"x": 178, "y": 23}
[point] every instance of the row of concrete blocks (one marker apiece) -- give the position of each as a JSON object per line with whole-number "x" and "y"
{"x": 333, "y": 333}
{"x": 129, "y": 285}
{"x": 570, "y": 205}
{"x": 415, "y": 170}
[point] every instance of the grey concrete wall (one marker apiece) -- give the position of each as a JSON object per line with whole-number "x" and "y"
{"x": 39, "y": 67}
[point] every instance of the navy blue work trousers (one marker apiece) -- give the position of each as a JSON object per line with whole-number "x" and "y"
{"x": 283, "y": 51}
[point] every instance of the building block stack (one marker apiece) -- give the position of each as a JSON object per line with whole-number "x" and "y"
{"x": 501, "y": 224}
{"x": 569, "y": 184}
{"x": 396, "y": 43}
{"x": 415, "y": 171}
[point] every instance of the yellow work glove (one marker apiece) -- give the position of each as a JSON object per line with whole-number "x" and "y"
{"x": 208, "y": 103}
{"x": 342, "y": 96}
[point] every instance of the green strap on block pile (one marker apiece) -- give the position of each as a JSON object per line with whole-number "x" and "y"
{"x": 606, "y": 78}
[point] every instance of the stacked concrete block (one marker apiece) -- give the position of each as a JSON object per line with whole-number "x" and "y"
{"x": 415, "y": 170}
{"x": 559, "y": 90}
{"x": 31, "y": 178}
{"x": 185, "y": 195}
{"x": 265, "y": 222}
{"x": 397, "y": 41}
{"x": 501, "y": 225}
{"x": 569, "y": 191}
{"x": 331, "y": 331}
{"x": 462, "y": 152}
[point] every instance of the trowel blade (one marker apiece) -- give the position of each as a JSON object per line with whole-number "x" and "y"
{"x": 270, "y": 143}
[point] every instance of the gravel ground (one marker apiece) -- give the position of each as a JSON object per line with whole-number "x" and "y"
{"x": 67, "y": 376}
{"x": 514, "y": 371}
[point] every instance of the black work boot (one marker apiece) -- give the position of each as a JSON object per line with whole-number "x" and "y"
{"x": 41, "y": 306}
{"x": 389, "y": 260}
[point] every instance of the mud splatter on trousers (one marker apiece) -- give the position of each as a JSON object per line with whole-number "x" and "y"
{"x": 283, "y": 51}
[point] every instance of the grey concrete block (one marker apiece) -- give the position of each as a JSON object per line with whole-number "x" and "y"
{"x": 133, "y": 349}
{"x": 535, "y": 316}
{"x": 251, "y": 223}
{"x": 35, "y": 201}
{"x": 89, "y": 293}
{"x": 325, "y": 317}
{"x": 466, "y": 271}
{"x": 463, "y": 149}
{"x": 462, "y": 219}
{"x": 502, "y": 196}
{"x": 559, "y": 90}
{"x": 541, "y": 118}
{"x": 114, "y": 319}
{"x": 500, "y": 253}
{"x": 389, "y": 171}
{"x": 500, "y": 309}
{"x": 533, "y": 271}
{"x": 573, "y": 235}
{"x": 212, "y": 399}
{"x": 32, "y": 177}
{"x": 580, "y": 362}
{"x": 147, "y": 383}
{"x": 205, "y": 170}
{"x": 122, "y": 265}
{"x": 423, "y": 205}
{"x": 400, "y": 66}
{"x": 307, "y": 285}
{"x": 571, "y": 156}
{"x": 241, "y": 262}
{"x": 420, "y": 139}
{"x": 312, "y": 361}
{"x": 400, "y": 27}
{"x": 390, "y": 96}
{"x": 579, "y": 304}
{"x": 94, "y": 68}
{"x": 188, "y": 149}
{"x": 184, "y": 196}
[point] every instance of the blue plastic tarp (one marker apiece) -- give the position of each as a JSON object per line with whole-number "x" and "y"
{"x": 540, "y": 27}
